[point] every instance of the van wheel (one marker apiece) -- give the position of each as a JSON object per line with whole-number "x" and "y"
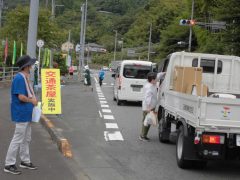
{"x": 119, "y": 102}
{"x": 163, "y": 132}
{"x": 180, "y": 150}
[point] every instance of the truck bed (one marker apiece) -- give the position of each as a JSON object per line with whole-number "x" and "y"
{"x": 206, "y": 113}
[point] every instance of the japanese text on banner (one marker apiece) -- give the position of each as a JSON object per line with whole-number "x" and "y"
{"x": 51, "y": 91}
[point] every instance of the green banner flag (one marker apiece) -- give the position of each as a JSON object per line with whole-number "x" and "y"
{"x": 21, "y": 52}
{"x": 48, "y": 57}
{"x": 14, "y": 53}
{"x": 44, "y": 58}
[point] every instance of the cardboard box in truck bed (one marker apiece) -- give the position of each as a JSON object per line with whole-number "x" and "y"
{"x": 185, "y": 77}
{"x": 197, "y": 89}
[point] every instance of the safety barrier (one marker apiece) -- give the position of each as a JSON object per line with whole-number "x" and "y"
{"x": 7, "y": 74}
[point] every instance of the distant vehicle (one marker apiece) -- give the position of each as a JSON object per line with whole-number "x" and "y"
{"x": 130, "y": 77}
{"x": 114, "y": 65}
{"x": 105, "y": 68}
{"x": 154, "y": 67}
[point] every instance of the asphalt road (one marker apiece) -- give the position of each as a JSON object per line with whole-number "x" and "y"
{"x": 104, "y": 139}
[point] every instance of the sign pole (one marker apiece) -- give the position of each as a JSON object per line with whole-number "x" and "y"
{"x": 40, "y": 44}
{"x": 39, "y": 60}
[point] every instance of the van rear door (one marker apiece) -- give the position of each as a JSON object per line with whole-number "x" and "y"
{"x": 134, "y": 78}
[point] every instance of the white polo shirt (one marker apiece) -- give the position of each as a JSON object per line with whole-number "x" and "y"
{"x": 150, "y": 94}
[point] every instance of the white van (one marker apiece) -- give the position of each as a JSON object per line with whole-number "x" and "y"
{"x": 130, "y": 77}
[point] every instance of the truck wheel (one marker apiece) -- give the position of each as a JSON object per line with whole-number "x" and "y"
{"x": 163, "y": 132}
{"x": 180, "y": 149}
{"x": 163, "y": 138}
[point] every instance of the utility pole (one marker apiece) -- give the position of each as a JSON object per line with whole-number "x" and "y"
{"x": 190, "y": 33}
{"x": 69, "y": 41}
{"x": 83, "y": 33}
{"x": 1, "y": 8}
{"x": 81, "y": 56}
{"x": 85, "y": 23}
{"x": 115, "y": 46}
{"x": 122, "y": 50}
{"x": 46, "y": 4}
{"x": 150, "y": 41}
{"x": 32, "y": 32}
{"x": 53, "y": 8}
{"x": 32, "y": 28}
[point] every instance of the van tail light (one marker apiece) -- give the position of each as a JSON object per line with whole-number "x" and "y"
{"x": 120, "y": 83}
{"x": 212, "y": 139}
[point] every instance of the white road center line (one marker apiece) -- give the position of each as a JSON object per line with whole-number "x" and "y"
{"x": 111, "y": 126}
{"x": 100, "y": 114}
{"x": 103, "y": 102}
{"x": 108, "y": 135}
{"x": 110, "y": 117}
{"x": 113, "y": 136}
{"x": 95, "y": 79}
{"x": 106, "y": 110}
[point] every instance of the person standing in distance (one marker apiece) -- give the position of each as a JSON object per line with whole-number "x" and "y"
{"x": 71, "y": 70}
{"x": 150, "y": 100}
{"x": 22, "y": 102}
{"x": 101, "y": 75}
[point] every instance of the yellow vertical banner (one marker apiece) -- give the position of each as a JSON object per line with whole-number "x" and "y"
{"x": 51, "y": 91}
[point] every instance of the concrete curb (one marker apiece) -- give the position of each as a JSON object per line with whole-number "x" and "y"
{"x": 62, "y": 143}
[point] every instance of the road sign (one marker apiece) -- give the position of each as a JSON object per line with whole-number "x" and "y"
{"x": 131, "y": 52}
{"x": 40, "y": 43}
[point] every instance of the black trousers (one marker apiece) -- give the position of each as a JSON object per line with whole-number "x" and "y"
{"x": 100, "y": 81}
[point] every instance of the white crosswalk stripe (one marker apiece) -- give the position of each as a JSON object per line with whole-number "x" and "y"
{"x": 113, "y": 136}
{"x": 111, "y": 126}
{"x": 109, "y": 117}
{"x": 106, "y": 111}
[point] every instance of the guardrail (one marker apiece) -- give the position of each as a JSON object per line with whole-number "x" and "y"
{"x": 7, "y": 74}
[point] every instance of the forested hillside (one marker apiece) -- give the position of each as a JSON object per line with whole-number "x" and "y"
{"x": 132, "y": 19}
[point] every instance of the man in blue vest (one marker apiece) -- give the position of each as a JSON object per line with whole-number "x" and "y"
{"x": 22, "y": 102}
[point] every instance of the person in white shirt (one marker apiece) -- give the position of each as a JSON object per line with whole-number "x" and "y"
{"x": 150, "y": 100}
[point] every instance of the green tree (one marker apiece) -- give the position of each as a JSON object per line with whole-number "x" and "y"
{"x": 228, "y": 11}
{"x": 61, "y": 61}
{"x": 16, "y": 27}
{"x": 160, "y": 14}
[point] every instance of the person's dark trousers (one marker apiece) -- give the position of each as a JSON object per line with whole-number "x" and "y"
{"x": 100, "y": 81}
{"x": 145, "y": 129}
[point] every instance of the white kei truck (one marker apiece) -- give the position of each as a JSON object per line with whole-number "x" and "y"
{"x": 203, "y": 127}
